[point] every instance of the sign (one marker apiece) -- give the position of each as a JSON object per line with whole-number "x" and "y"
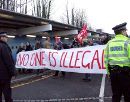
{"x": 80, "y": 60}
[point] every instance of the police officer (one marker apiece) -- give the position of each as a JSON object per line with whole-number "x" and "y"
{"x": 7, "y": 68}
{"x": 117, "y": 63}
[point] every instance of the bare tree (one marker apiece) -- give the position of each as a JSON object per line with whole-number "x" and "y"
{"x": 12, "y": 5}
{"x": 73, "y": 16}
{"x": 34, "y": 8}
{"x": 77, "y": 16}
{"x": 80, "y": 18}
{"x": 40, "y": 8}
{"x": 20, "y": 7}
{"x": 26, "y": 7}
{"x": 0, "y": 3}
{"x": 43, "y": 9}
{"x": 49, "y": 9}
{"x": 3, "y": 4}
{"x": 67, "y": 13}
{"x": 46, "y": 8}
{"x": 7, "y": 4}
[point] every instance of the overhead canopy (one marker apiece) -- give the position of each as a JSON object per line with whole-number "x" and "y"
{"x": 15, "y": 20}
{"x": 19, "y": 24}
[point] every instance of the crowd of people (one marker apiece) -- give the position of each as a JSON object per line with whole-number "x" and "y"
{"x": 116, "y": 56}
{"x": 58, "y": 45}
{"x": 7, "y": 69}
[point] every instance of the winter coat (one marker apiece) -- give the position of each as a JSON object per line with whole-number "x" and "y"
{"x": 7, "y": 66}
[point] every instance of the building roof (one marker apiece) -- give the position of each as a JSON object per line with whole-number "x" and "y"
{"x": 13, "y": 20}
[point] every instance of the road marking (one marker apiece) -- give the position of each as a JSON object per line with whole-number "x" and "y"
{"x": 43, "y": 77}
{"x": 23, "y": 78}
{"x": 63, "y": 99}
{"x": 102, "y": 88}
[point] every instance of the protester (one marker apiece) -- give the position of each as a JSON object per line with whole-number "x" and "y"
{"x": 105, "y": 39}
{"x": 21, "y": 48}
{"x": 65, "y": 46}
{"x": 59, "y": 46}
{"x": 96, "y": 41}
{"x": 7, "y": 68}
{"x": 75, "y": 43}
{"x": 29, "y": 48}
{"x": 117, "y": 63}
{"x": 47, "y": 43}
{"x": 38, "y": 45}
{"x": 87, "y": 76}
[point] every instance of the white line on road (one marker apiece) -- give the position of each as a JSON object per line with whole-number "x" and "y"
{"x": 23, "y": 78}
{"x": 84, "y": 99}
{"x": 26, "y": 83}
{"x": 102, "y": 88}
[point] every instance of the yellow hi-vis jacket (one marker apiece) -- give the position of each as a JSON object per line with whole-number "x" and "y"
{"x": 117, "y": 52}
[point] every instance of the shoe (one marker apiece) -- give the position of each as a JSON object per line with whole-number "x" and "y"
{"x": 55, "y": 76}
{"x": 86, "y": 79}
{"x": 62, "y": 76}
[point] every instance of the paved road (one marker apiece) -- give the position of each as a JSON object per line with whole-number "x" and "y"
{"x": 69, "y": 89}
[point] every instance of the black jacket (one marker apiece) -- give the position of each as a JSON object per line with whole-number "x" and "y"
{"x": 7, "y": 66}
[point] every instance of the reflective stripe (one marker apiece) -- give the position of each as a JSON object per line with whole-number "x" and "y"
{"x": 118, "y": 41}
{"x": 105, "y": 56}
{"x": 119, "y": 62}
{"x": 125, "y": 47}
{"x": 125, "y": 54}
{"x": 106, "y": 62}
{"x": 117, "y": 55}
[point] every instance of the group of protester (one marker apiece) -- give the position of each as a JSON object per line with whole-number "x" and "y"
{"x": 58, "y": 45}
{"x": 7, "y": 65}
{"x": 116, "y": 55}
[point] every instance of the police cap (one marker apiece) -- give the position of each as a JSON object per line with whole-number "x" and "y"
{"x": 3, "y": 33}
{"x": 120, "y": 27}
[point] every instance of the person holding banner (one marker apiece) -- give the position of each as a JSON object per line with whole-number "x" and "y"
{"x": 87, "y": 76}
{"x": 38, "y": 45}
{"x": 47, "y": 43}
{"x": 7, "y": 68}
{"x": 117, "y": 63}
{"x": 58, "y": 46}
{"x": 75, "y": 43}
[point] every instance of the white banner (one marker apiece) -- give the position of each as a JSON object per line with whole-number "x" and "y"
{"x": 80, "y": 60}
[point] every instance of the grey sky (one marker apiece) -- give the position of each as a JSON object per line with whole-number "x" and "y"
{"x": 102, "y": 14}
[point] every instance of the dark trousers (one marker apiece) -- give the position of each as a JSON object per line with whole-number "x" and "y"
{"x": 120, "y": 84}
{"x": 87, "y": 76}
{"x": 57, "y": 72}
{"x": 6, "y": 90}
